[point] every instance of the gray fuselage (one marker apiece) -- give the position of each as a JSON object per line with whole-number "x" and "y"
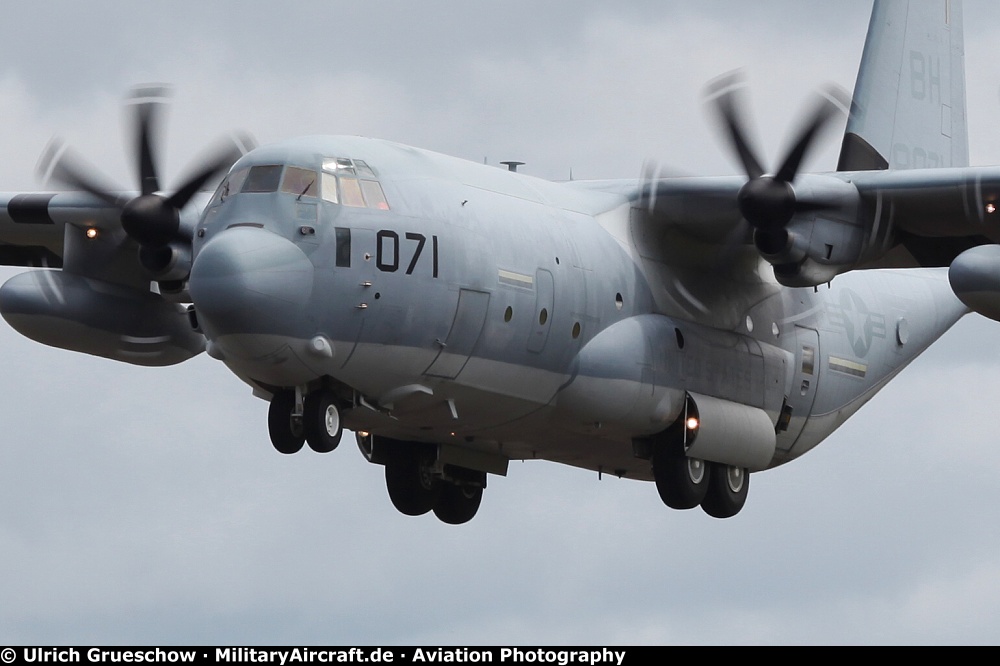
{"x": 460, "y": 304}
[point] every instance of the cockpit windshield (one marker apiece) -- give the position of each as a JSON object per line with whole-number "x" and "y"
{"x": 300, "y": 182}
{"x": 342, "y": 181}
{"x": 262, "y": 179}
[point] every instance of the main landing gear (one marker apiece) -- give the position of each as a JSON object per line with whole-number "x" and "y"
{"x": 418, "y": 484}
{"x": 417, "y": 481}
{"x": 685, "y": 483}
{"x": 293, "y": 420}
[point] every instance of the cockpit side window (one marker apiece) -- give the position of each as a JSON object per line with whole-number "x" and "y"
{"x": 262, "y": 179}
{"x": 300, "y": 182}
{"x": 229, "y": 185}
{"x": 351, "y": 192}
{"x": 330, "y": 188}
{"x": 364, "y": 170}
{"x": 374, "y": 195}
{"x": 236, "y": 181}
{"x": 358, "y": 184}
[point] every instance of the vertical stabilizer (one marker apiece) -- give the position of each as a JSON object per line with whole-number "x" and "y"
{"x": 909, "y": 102}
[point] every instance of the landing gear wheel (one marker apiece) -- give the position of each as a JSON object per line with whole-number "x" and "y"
{"x": 286, "y": 436}
{"x": 458, "y": 504}
{"x": 321, "y": 422}
{"x": 727, "y": 491}
{"x": 413, "y": 488}
{"x": 681, "y": 481}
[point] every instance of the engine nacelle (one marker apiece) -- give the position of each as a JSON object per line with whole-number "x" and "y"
{"x": 815, "y": 247}
{"x": 975, "y": 278}
{"x": 93, "y": 317}
{"x": 168, "y": 263}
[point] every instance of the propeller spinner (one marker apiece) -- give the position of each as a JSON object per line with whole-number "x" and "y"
{"x": 768, "y": 202}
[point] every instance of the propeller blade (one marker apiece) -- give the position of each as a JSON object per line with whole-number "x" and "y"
{"x": 726, "y": 94}
{"x": 147, "y": 102}
{"x": 647, "y": 188}
{"x": 60, "y": 164}
{"x": 149, "y": 218}
{"x": 219, "y": 160}
{"x": 832, "y": 102}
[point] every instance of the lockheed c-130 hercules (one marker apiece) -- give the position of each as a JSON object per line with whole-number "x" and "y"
{"x": 456, "y": 316}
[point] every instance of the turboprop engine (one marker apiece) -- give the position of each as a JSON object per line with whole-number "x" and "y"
{"x": 806, "y": 227}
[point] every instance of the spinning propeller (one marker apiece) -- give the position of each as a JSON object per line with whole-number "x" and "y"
{"x": 151, "y": 218}
{"x": 768, "y": 201}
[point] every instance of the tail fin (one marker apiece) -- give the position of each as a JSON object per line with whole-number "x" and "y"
{"x": 909, "y": 103}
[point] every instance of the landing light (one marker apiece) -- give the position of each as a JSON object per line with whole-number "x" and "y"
{"x": 693, "y": 423}
{"x": 92, "y": 233}
{"x": 991, "y": 208}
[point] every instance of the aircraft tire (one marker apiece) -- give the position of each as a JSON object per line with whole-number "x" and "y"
{"x": 458, "y": 504}
{"x": 681, "y": 481}
{"x": 321, "y": 422}
{"x": 284, "y": 436}
{"x": 728, "y": 488}
{"x": 412, "y": 488}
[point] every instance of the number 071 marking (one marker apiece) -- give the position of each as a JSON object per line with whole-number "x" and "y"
{"x": 387, "y": 252}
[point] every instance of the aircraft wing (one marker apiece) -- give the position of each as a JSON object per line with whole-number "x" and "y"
{"x": 935, "y": 214}
{"x": 843, "y": 221}
{"x": 101, "y": 300}
{"x": 77, "y": 232}
{"x": 33, "y": 225}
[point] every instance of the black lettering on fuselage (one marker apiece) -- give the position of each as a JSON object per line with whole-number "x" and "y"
{"x": 380, "y": 253}
{"x": 387, "y": 251}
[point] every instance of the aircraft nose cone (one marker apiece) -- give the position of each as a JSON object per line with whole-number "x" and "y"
{"x": 250, "y": 281}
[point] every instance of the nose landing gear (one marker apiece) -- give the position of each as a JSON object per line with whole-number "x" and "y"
{"x": 285, "y": 429}
{"x": 293, "y": 420}
{"x": 321, "y": 422}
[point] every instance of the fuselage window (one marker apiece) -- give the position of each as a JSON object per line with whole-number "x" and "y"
{"x": 300, "y": 182}
{"x": 262, "y": 179}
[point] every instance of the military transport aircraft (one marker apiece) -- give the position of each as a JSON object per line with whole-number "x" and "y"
{"x": 456, "y": 316}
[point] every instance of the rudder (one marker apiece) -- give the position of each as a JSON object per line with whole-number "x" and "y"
{"x": 909, "y": 109}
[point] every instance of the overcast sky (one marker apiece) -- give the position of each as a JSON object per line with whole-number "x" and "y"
{"x": 147, "y": 505}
